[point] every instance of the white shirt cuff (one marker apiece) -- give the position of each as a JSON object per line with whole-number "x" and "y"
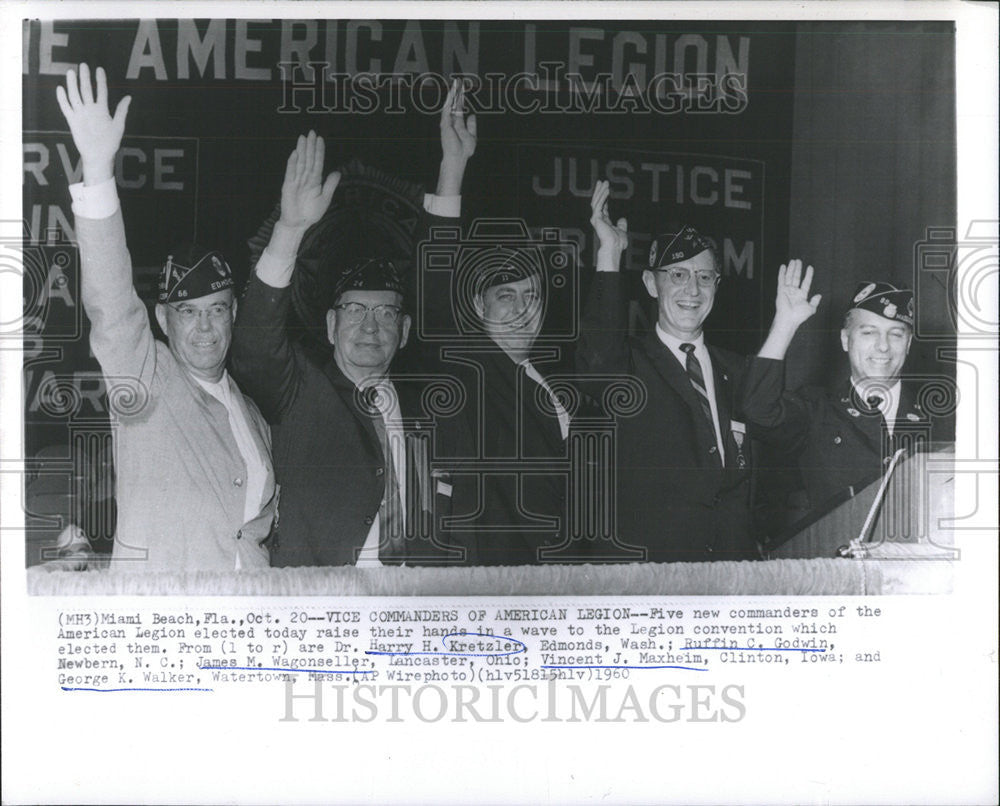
{"x": 94, "y": 201}
{"x": 443, "y": 206}
{"x": 274, "y": 271}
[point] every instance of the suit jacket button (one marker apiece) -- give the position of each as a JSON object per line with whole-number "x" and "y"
{"x": 379, "y": 471}
{"x": 836, "y": 440}
{"x": 239, "y": 534}
{"x": 713, "y": 449}
{"x": 369, "y": 520}
{"x": 237, "y": 482}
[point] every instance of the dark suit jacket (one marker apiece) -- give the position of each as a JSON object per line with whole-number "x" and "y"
{"x": 510, "y": 475}
{"x": 327, "y": 456}
{"x": 838, "y": 443}
{"x": 673, "y": 500}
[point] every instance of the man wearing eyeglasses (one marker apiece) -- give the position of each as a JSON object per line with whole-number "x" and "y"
{"x": 356, "y": 481}
{"x": 683, "y": 460}
{"x": 195, "y": 486}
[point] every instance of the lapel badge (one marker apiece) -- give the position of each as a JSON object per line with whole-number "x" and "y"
{"x": 913, "y": 418}
{"x": 854, "y": 412}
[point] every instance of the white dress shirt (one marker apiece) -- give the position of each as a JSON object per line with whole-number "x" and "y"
{"x": 889, "y": 397}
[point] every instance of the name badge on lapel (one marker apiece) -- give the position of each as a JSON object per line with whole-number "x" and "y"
{"x": 442, "y": 485}
{"x": 739, "y": 431}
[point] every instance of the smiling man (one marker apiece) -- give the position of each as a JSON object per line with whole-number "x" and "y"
{"x": 350, "y": 452}
{"x": 843, "y": 435}
{"x": 195, "y": 488}
{"x": 517, "y": 420}
{"x": 683, "y": 460}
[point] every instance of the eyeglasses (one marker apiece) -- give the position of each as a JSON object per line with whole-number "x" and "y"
{"x": 704, "y": 279}
{"x": 217, "y": 311}
{"x": 355, "y": 312}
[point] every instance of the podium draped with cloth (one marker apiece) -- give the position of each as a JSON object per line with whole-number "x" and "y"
{"x": 891, "y": 537}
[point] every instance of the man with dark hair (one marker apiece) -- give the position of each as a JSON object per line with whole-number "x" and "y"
{"x": 843, "y": 436}
{"x": 517, "y": 423}
{"x": 683, "y": 460}
{"x": 195, "y": 489}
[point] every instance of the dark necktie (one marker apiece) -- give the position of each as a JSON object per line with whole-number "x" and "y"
{"x": 697, "y": 378}
{"x": 875, "y": 408}
{"x": 392, "y": 549}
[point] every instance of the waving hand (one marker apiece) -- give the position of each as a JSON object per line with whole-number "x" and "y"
{"x": 304, "y": 194}
{"x": 96, "y": 133}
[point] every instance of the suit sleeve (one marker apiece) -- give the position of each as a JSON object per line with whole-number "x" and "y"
{"x": 262, "y": 359}
{"x": 776, "y": 416}
{"x": 120, "y": 334}
{"x": 434, "y": 286}
{"x": 603, "y": 344}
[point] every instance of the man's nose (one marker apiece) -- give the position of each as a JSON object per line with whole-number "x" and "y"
{"x": 882, "y": 343}
{"x": 204, "y": 320}
{"x": 369, "y": 323}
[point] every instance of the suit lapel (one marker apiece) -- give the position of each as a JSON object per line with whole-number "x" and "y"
{"x": 548, "y": 424}
{"x": 672, "y": 372}
{"x": 345, "y": 389}
{"x": 851, "y": 411}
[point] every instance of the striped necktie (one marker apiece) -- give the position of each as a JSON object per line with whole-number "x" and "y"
{"x": 697, "y": 378}
{"x": 392, "y": 547}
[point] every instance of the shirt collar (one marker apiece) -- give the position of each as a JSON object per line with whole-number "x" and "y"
{"x": 889, "y": 396}
{"x": 219, "y": 388}
{"x": 675, "y": 343}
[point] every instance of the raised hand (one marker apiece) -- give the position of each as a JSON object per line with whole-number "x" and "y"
{"x": 612, "y": 238}
{"x": 792, "y": 303}
{"x": 96, "y": 133}
{"x": 304, "y": 194}
{"x": 458, "y": 132}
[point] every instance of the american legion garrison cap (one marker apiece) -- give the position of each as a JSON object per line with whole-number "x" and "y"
{"x": 369, "y": 274}
{"x": 885, "y": 300}
{"x": 192, "y": 272}
{"x": 680, "y": 243}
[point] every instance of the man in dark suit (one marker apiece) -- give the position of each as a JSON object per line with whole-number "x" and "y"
{"x": 845, "y": 435}
{"x": 350, "y": 449}
{"x": 683, "y": 460}
{"x": 510, "y": 496}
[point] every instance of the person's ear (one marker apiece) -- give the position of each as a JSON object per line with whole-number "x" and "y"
{"x": 331, "y": 325}
{"x": 404, "y": 331}
{"x": 234, "y": 310}
{"x": 843, "y": 339}
{"x": 161, "y": 316}
{"x": 649, "y": 280}
{"x": 477, "y": 303}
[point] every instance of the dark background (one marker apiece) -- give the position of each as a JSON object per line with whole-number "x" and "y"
{"x": 850, "y": 128}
